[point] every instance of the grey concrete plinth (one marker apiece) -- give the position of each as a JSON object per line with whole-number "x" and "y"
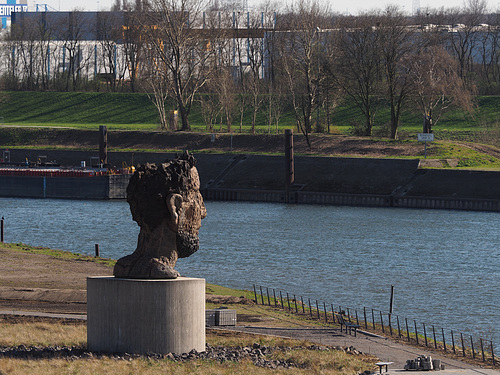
{"x": 145, "y": 316}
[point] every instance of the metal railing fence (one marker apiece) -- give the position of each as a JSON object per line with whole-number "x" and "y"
{"x": 410, "y": 330}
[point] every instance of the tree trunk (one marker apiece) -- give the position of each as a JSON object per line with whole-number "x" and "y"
{"x": 394, "y": 123}
{"x": 184, "y": 118}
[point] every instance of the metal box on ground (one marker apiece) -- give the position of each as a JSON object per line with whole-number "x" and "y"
{"x": 220, "y": 317}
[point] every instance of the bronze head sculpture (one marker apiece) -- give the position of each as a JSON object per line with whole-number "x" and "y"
{"x": 166, "y": 203}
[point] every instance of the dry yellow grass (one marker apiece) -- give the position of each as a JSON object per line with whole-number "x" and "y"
{"x": 57, "y": 334}
{"x": 40, "y": 333}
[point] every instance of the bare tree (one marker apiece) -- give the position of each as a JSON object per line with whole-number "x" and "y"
{"x": 299, "y": 50}
{"x": 489, "y": 53}
{"x": 437, "y": 83}
{"x": 156, "y": 85}
{"x": 108, "y": 27}
{"x": 223, "y": 83}
{"x": 172, "y": 29}
{"x": 464, "y": 38}
{"x": 26, "y": 51}
{"x": 71, "y": 32}
{"x": 133, "y": 46}
{"x": 397, "y": 40}
{"x": 255, "y": 59}
{"x": 358, "y": 65}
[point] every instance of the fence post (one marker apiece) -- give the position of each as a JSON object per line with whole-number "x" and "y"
{"x": 310, "y": 308}
{"x": 357, "y": 320}
{"x": 2, "y": 226}
{"x": 434, "y": 335}
{"x": 96, "y": 250}
{"x": 425, "y": 334}
{"x": 255, "y": 292}
{"x": 281, "y": 299}
{"x": 399, "y": 327}
{"x": 444, "y": 339}
{"x": 275, "y": 300}
{"x": 453, "y": 343}
{"x": 326, "y": 315}
{"x": 492, "y": 353}
{"x": 364, "y": 314}
{"x": 382, "y": 322}
{"x": 261, "y": 295}
{"x": 349, "y": 315}
{"x": 288, "y": 301}
{"x": 482, "y": 349}
{"x": 333, "y": 314}
{"x": 317, "y": 309}
{"x": 407, "y": 329}
{"x": 472, "y": 347}
{"x": 416, "y": 333}
{"x": 463, "y": 345}
{"x": 373, "y": 319}
{"x": 295, "y": 299}
{"x": 268, "y": 299}
{"x": 303, "y": 306}
{"x": 390, "y": 325}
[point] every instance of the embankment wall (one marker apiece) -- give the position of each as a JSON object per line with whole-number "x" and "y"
{"x": 248, "y": 177}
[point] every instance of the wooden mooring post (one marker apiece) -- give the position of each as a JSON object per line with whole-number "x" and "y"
{"x": 289, "y": 165}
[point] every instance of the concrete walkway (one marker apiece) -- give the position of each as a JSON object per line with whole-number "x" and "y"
{"x": 384, "y": 349}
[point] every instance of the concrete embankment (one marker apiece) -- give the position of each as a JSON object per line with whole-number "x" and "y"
{"x": 318, "y": 180}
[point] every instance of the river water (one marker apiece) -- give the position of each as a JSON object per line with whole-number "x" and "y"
{"x": 444, "y": 265}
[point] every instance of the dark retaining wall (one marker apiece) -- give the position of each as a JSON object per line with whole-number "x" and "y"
{"x": 318, "y": 180}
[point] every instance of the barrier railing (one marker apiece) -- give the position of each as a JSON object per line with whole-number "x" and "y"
{"x": 417, "y": 333}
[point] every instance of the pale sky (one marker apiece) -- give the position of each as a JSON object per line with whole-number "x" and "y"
{"x": 342, "y": 6}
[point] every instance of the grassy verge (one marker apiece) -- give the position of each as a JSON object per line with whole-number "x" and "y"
{"x": 458, "y": 155}
{"x": 60, "y": 254}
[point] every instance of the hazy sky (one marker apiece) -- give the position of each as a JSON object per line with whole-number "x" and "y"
{"x": 343, "y": 6}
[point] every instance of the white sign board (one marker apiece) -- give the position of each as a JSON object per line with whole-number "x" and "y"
{"x": 426, "y": 137}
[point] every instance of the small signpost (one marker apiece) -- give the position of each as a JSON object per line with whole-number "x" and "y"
{"x": 425, "y": 137}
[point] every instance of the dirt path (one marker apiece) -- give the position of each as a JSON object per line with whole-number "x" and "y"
{"x": 39, "y": 282}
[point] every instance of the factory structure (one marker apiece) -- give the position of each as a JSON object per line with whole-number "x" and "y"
{"x": 9, "y": 7}
{"x": 41, "y": 45}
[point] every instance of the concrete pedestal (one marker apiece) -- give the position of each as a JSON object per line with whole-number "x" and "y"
{"x": 145, "y": 316}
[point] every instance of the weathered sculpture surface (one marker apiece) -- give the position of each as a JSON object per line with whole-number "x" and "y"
{"x": 165, "y": 201}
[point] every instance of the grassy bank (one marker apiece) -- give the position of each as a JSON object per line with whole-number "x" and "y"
{"x": 41, "y": 333}
{"x": 126, "y": 111}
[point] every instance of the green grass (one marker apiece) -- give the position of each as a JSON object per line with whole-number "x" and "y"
{"x": 60, "y": 254}
{"x": 135, "y": 111}
{"x": 465, "y": 156}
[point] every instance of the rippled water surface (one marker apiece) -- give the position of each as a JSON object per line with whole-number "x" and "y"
{"x": 444, "y": 265}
